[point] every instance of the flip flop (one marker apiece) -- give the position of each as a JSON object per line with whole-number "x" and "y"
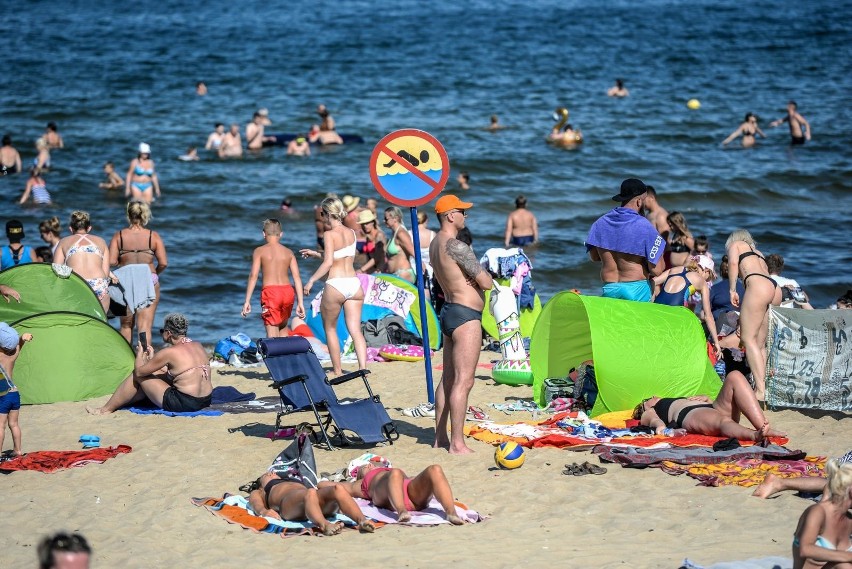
{"x": 90, "y": 441}
{"x": 593, "y": 468}
{"x": 574, "y": 469}
{"x": 477, "y": 413}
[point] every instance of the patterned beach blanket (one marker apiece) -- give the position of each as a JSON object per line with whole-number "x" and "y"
{"x": 53, "y": 460}
{"x": 747, "y": 472}
{"x": 641, "y": 457}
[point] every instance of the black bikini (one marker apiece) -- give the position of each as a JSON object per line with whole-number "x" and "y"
{"x": 759, "y": 256}
{"x": 662, "y": 407}
{"x": 272, "y": 484}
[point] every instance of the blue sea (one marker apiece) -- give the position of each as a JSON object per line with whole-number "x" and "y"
{"x": 114, "y": 74}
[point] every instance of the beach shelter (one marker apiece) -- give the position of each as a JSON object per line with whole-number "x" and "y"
{"x": 639, "y": 349}
{"x": 75, "y": 354}
{"x": 383, "y": 295}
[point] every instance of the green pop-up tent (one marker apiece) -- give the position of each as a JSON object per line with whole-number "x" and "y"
{"x": 74, "y": 354}
{"x": 639, "y": 349}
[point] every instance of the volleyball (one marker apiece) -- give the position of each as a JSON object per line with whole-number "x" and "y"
{"x": 693, "y": 104}
{"x": 509, "y": 455}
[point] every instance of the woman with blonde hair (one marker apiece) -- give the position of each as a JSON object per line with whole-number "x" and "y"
{"x": 142, "y": 181}
{"x": 51, "y": 232}
{"x": 681, "y": 242}
{"x": 136, "y": 245}
{"x": 400, "y": 246}
{"x": 86, "y": 255}
{"x": 761, "y": 292}
{"x": 342, "y": 288}
{"x": 42, "y": 160}
{"x": 823, "y": 537}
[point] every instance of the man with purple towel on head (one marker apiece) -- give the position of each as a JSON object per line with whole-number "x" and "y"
{"x": 627, "y": 245}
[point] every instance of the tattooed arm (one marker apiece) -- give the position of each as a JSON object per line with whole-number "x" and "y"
{"x": 463, "y": 255}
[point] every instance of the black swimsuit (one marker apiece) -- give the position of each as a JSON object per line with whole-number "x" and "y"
{"x": 272, "y": 484}
{"x": 753, "y": 253}
{"x": 662, "y": 407}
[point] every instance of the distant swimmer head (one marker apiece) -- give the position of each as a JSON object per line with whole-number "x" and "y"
{"x": 749, "y": 117}
{"x": 41, "y": 143}
{"x": 619, "y": 83}
{"x": 521, "y": 201}
{"x": 144, "y": 148}
{"x": 322, "y": 111}
{"x": 301, "y": 139}
{"x": 560, "y": 114}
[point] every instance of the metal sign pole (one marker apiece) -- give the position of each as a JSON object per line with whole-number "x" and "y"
{"x": 424, "y": 322}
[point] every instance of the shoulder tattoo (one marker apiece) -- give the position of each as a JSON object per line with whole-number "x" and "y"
{"x": 463, "y": 255}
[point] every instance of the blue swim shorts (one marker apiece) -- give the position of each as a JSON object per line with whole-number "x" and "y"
{"x": 633, "y": 290}
{"x": 10, "y": 402}
{"x": 522, "y": 240}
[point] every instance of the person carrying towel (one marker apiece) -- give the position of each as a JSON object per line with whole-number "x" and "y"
{"x": 627, "y": 245}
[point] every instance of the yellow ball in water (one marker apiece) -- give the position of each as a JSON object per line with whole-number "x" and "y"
{"x": 509, "y": 455}
{"x": 693, "y": 104}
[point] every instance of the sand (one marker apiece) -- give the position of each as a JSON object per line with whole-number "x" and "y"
{"x": 135, "y": 509}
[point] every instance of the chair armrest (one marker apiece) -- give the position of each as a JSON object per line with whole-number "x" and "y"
{"x": 348, "y": 377}
{"x": 284, "y": 382}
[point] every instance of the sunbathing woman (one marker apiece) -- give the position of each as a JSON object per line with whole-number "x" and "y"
{"x": 391, "y": 488}
{"x": 760, "y": 292}
{"x": 823, "y": 537}
{"x": 155, "y": 379}
{"x": 275, "y": 497}
{"x": 342, "y": 288}
{"x": 700, "y": 415}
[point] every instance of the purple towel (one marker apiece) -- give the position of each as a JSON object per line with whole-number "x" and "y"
{"x": 625, "y": 231}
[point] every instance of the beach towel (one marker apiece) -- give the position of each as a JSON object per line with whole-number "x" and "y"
{"x": 433, "y": 514}
{"x": 228, "y": 394}
{"x": 625, "y": 231}
{"x": 259, "y": 405}
{"x": 53, "y": 460}
{"x": 136, "y": 290}
{"x": 748, "y": 471}
{"x": 235, "y": 509}
{"x": 157, "y": 411}
{"x": 761, "y": 563}
{"x": 378, "y": 292}
{"x": 641, "y": 457}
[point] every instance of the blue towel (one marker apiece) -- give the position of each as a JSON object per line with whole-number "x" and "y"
{"x": 155, "y": 411}
{"x": 625, "y": 231}
{"x": 229, "y": 394}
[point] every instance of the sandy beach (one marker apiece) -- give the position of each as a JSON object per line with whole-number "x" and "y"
{"x": 135, "y": 509}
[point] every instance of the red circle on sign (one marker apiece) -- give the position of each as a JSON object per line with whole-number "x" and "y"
{"x": 430, "y": 186}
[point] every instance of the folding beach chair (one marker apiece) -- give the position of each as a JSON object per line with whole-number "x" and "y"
{"x": 302, "y": 384}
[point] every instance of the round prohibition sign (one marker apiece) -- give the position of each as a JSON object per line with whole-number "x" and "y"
{"x": 409, "y": 167}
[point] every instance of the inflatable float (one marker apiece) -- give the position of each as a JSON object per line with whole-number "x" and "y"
{"x": 527, "y": 316}
{"x": 514, "y": 368}
{"x": 401, "y": 352}
{"x": 284, "y": 138}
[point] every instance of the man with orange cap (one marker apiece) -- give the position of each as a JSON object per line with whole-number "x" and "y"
{"x": 464, "y": 282}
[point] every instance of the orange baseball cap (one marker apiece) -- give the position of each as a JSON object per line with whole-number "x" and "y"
{"x": 450, "y": 202}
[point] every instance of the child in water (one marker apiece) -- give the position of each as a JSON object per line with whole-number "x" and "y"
{"x": 113, "y": 180}
{"x": 391, "y": 488}
{"x": 36, "y": 187}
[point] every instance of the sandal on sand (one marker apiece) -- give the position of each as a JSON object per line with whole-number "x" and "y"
{"x": 476, "y": 413}
{"x": 574, "y": 469}
{"x": 593, "y": 468}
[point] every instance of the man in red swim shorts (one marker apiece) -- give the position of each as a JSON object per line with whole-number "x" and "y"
{"x": 276, "y": 262}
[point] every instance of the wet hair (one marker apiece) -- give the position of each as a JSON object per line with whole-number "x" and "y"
{"x": 748, "y": 116}
{"x": 110, "y": 164}
{"x": 521, "y": 201}
{"x": 494, "y": 118}
{"x": 333, "y": 207}
{"x": 7, "y": 140}
{"x": 80, "y": 220}
{"x": 775, "y": 263}
{"x": 839, "y": 480}
{"x": 422, "y": 217}
{"x": 465, "y": 176}
{"x": 44, "y": 253}
{"x": 60, "y": 542}
{"x": 52, "y": 126}
{"x": 677, "y": 222}
{"x": 272, "y": 227}
{"x": 51, "y": 225}
{"x": 176, "y": 323}
{"x": 218, "y": 124}
{"x": 394, "y": 212}
{"x": 795, "y": 106}
{"x": 740, "y": 235}
{"x": 138, "y": 212}
{"x": 619, "y": 83}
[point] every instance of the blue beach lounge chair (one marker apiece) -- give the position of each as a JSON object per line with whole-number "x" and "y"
{"x": 303, "y": 385}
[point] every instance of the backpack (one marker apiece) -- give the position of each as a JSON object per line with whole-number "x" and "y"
{"x": 379, "y": 332}
{"x": 238, "y": 344}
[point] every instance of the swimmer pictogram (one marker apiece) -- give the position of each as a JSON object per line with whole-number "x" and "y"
{"x": 409, "y": 167}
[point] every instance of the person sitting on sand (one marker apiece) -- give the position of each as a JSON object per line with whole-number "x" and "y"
{"x": 823, "y": 537}
{"x": 113, "y": 180}
{"x": 772, "y": 484}
{"x": 154, "y": 376}
{"x": 703, "y": 416}
{"x": 390, "y": 488}
{"x": 274, "y": 497}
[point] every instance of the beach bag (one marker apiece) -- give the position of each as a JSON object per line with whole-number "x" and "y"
{"x": 377, "y": 333}
{"x": 296, "y": 462}
{"x": 239, "y": 344}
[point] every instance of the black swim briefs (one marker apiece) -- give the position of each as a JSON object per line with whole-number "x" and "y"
{"x": 178, "y": 402}
{"x": 454, "y": 315}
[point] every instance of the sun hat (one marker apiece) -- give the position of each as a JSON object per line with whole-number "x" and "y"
{"x": 8, "y": 337}
{"x": 350, "y": 202}
{"x": 450, "y": 202}
{"x": 706, "y": 262}
{"x": 144, "y": 148}
{"x": 630, "y": 188}
{"x": 366, "y": 216}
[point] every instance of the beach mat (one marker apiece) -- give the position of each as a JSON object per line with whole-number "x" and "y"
{"x": 433, "y": 514}
{"x": 747, "y": 472}
{"x": 54, "y": 460}
{"x": 631, "y": 457}
{"x": 224, "y": 399}
{"x": 761, "y": 563}
{"x": 259, "y": 405}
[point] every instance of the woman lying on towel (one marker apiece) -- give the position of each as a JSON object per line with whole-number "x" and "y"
{"x": 156, "y": 378}
{"x": 390, "y": 488}
{"x": 275, "y": 497}
{"x": 703, "y": 416}
{"x": 822, "y": 538}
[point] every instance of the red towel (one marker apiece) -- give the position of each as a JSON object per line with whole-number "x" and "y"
{"x": 53, "y": 460}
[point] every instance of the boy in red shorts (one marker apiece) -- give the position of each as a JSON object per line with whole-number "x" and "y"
{"x": 276, "y": 262}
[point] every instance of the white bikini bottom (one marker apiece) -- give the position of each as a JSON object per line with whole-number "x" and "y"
{"x": 347, "y": 286}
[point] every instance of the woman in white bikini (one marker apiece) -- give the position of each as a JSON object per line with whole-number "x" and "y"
{"x": 342, "y": 288}
{"x": 86, "y": 255}
{"x": 186, "y": 390}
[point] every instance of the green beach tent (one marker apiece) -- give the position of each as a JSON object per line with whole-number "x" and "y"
{"x": 75, "y": 354}
{"x": 639, "y": 349}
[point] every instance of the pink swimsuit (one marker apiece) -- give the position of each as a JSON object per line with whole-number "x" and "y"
{"x": 365, "y": 486}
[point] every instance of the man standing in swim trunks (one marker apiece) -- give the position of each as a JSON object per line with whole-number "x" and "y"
{"x": 232, "y": 143}
{"x": 463, "y": 282}
{"x": 276, "y": 262}
{"x": 521, "y": 225}
{"x": 254, "y": 133}
{"x": 627, "y": 245}
{"x": 800, "y": 129}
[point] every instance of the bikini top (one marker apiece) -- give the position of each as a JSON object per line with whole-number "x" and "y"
{"x": 393, "y": 248}
{"x": 140, "y": 171}
{"x": 272, "y": 484}
{"x": 205, "y": 372}
{"x": 348, "y": 251}
{"x": 750, "y": 254}
{"x": 820, "y": 542}
{"x": 77, "y": 248}
{"x": 123, "y": 251}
